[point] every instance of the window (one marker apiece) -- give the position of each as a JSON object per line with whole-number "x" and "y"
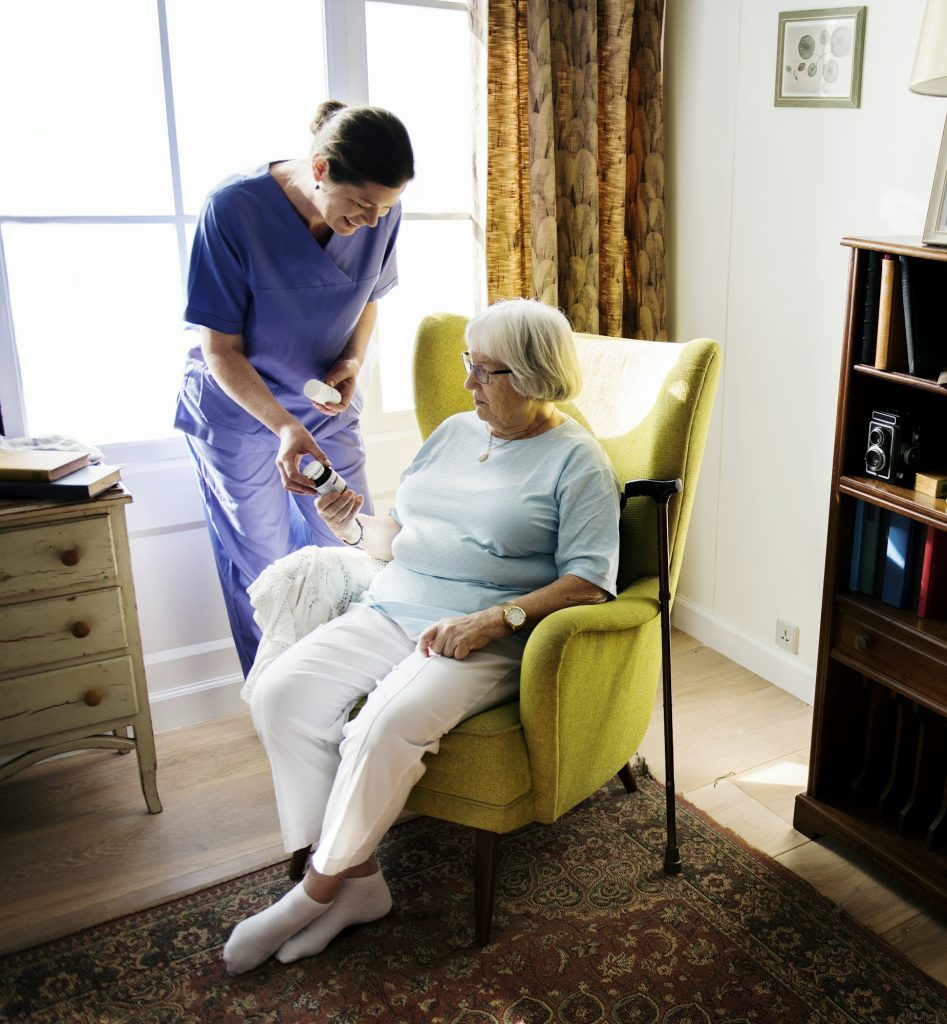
{"x": 117, "y": 144}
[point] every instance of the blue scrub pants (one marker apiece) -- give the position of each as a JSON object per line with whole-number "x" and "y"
{"x": 253, "y": 521}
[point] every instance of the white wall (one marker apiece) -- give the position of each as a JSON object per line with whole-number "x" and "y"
{"x": 758, "y": 198}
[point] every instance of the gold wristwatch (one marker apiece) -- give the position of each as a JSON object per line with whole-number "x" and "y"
{"x": 513, "y": 616}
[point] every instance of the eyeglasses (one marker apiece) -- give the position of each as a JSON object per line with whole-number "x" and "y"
{"x": 481, "y": 374}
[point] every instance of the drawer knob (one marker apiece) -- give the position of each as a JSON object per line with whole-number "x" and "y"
{"x": 70, "y": 556}
{"x": 93, "y": 698}
{"x": 81, "y": 629}
{"x": 862, "y": 641}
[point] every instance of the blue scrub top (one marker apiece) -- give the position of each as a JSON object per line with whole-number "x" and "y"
{"x": 256, "y": 270}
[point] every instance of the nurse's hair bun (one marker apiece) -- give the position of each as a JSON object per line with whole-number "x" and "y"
{"x": 326, "y": 111}
{"x": 362, "y": 145}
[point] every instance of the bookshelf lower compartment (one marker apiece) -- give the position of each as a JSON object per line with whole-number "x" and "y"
{"x": 904, "y": 857}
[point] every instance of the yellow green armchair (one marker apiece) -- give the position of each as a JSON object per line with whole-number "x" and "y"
{"x": 589, "y": 674}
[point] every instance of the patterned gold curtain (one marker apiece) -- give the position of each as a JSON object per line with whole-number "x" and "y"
{"x": 574, "y": 178}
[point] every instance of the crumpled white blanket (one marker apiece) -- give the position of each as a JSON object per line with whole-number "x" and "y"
{"x": 301, "y": 591}
{"x": 51, "y": 442}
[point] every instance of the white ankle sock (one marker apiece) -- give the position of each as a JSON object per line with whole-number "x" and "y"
{"x": 259, "y": 937}
{"x": 359, "y": 900}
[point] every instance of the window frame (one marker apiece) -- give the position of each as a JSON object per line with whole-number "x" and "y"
{"x": 347, "y": 79}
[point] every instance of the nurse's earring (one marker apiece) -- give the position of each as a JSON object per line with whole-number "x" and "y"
{"x": 317, "y": 186}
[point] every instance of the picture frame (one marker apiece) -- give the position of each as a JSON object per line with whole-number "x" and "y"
{"x": 819, "y": 57}
{"x": 935, "y": 228}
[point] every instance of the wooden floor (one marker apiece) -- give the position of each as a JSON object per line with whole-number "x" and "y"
{"x": 77, "y": 846}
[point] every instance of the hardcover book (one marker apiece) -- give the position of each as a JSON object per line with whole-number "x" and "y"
{"x": 891, "y": 346}
{"x": 932, "y": 595}
{"x": 39, "y": 463}
{"x": 870, "y": 308}
{"x": 899, "y": 583}
{"x": 869, "y": 532}
{"x": 925, "y": 340}
{"x": 83, "y": 483}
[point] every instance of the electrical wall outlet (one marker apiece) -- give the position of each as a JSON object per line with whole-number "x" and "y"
{"x": 787, "y": 636}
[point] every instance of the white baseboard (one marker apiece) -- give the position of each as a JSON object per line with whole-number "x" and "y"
{"x": 782, "y": 670}
{"x": 197, "y": 702}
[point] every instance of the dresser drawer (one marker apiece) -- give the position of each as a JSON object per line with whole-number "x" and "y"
{"x": 67, "y": 699}
{"x": 57, "y": 556}
{"x": 37, "y": 633}
{"x": 886, "y": 649}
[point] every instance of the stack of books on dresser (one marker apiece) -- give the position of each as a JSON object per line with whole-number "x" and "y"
{"x": 53, "y": 475}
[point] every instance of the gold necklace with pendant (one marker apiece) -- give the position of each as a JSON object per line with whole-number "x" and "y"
{"x": 485, "y": 454}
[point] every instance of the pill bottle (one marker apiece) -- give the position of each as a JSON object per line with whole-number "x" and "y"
{"x": 325, "y": 479}
{"x": 318, "y": 391}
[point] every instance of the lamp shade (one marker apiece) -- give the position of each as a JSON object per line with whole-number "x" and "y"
{"x": 930, "y": 66}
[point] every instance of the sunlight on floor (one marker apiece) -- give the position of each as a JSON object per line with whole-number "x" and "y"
{"x": 784, "y": 773}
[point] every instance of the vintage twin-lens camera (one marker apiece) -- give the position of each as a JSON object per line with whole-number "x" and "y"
{"x": 893, "y": 447}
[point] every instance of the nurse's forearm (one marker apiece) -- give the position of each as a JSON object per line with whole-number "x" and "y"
{"x": 357, "y": 344}
{"x": 232, "y": 370}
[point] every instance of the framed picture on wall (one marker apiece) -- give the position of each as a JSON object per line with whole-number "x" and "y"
{"x": 819, "y": 57}
{"x": 935, "y": 230}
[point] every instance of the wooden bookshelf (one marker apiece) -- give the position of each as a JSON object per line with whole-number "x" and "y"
{"x": 878, "y": 765}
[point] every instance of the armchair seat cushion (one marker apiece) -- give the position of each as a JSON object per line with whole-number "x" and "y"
{"x": 481, "y": 772}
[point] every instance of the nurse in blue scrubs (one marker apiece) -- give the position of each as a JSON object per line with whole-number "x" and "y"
{"x": 288, "y": 264}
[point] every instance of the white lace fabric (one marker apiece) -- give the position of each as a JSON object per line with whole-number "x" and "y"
{"x": 301, "y": 591}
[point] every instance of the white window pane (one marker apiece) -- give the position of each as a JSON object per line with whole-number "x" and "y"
{"x": 97, "y": 310}
{"x": 83, "y": 117}
{"x": 431, "y": 93}
{"x": 435, "y": 275}
{"x": 247, "y": 78}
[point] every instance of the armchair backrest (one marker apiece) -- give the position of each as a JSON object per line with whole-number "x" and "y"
{"x": 649, "y": 404}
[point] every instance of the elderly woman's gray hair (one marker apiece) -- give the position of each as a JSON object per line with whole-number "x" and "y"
{"x": 535, "y": 341}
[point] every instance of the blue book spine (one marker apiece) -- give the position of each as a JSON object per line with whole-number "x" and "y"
{"x": 854, "y": 572}
{"x": 897, "y": 584}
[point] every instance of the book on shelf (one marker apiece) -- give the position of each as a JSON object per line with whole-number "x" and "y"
{"x": 905, "y": 540}
{"x": 932, "y": 589}
{"x": 39, "y": 463}
{"x": 870, "y": 530}
{"x": 87, "y": 482}
{"x": 870, "y": 309}
{"x": 890, "y": 343}
{"x": 924, "y": 337}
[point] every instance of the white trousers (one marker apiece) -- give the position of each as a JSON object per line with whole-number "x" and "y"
{"x": 341, "y": 783}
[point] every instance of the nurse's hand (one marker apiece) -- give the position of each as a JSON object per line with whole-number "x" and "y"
{"x": 338, "y": 513}
{"x": 295, "y": 442}
{"x": 342, "y": 377}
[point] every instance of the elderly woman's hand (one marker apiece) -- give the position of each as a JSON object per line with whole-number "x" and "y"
{"x": 456, "y": 638}
{"x": 338, "y": 513}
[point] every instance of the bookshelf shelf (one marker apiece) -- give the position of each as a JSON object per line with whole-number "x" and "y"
{"x": 932, "y": 511}
{"x": 878, "y": 765}
{"x": 920, "y": 383}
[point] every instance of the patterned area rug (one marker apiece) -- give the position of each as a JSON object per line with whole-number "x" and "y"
{"x": 587, "y": 929}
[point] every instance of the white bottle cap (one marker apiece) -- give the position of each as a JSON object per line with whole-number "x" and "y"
{"x": 318, "y": 391}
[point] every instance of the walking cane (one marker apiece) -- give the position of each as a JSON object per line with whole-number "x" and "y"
{"x": 661, "y": 491}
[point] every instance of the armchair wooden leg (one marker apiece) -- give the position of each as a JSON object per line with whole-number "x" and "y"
{"x": 297, "y": 864}
{"x": 486, "y": 854}
{"x": 627, "y": 777}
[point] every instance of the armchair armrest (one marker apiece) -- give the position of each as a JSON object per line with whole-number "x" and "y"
{"x": 579, "y": 735}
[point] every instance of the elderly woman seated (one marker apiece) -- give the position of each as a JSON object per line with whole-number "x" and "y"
{"x": 507, "y": 514}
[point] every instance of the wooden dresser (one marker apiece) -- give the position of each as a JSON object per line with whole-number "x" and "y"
{"x": 71, "y": 669}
